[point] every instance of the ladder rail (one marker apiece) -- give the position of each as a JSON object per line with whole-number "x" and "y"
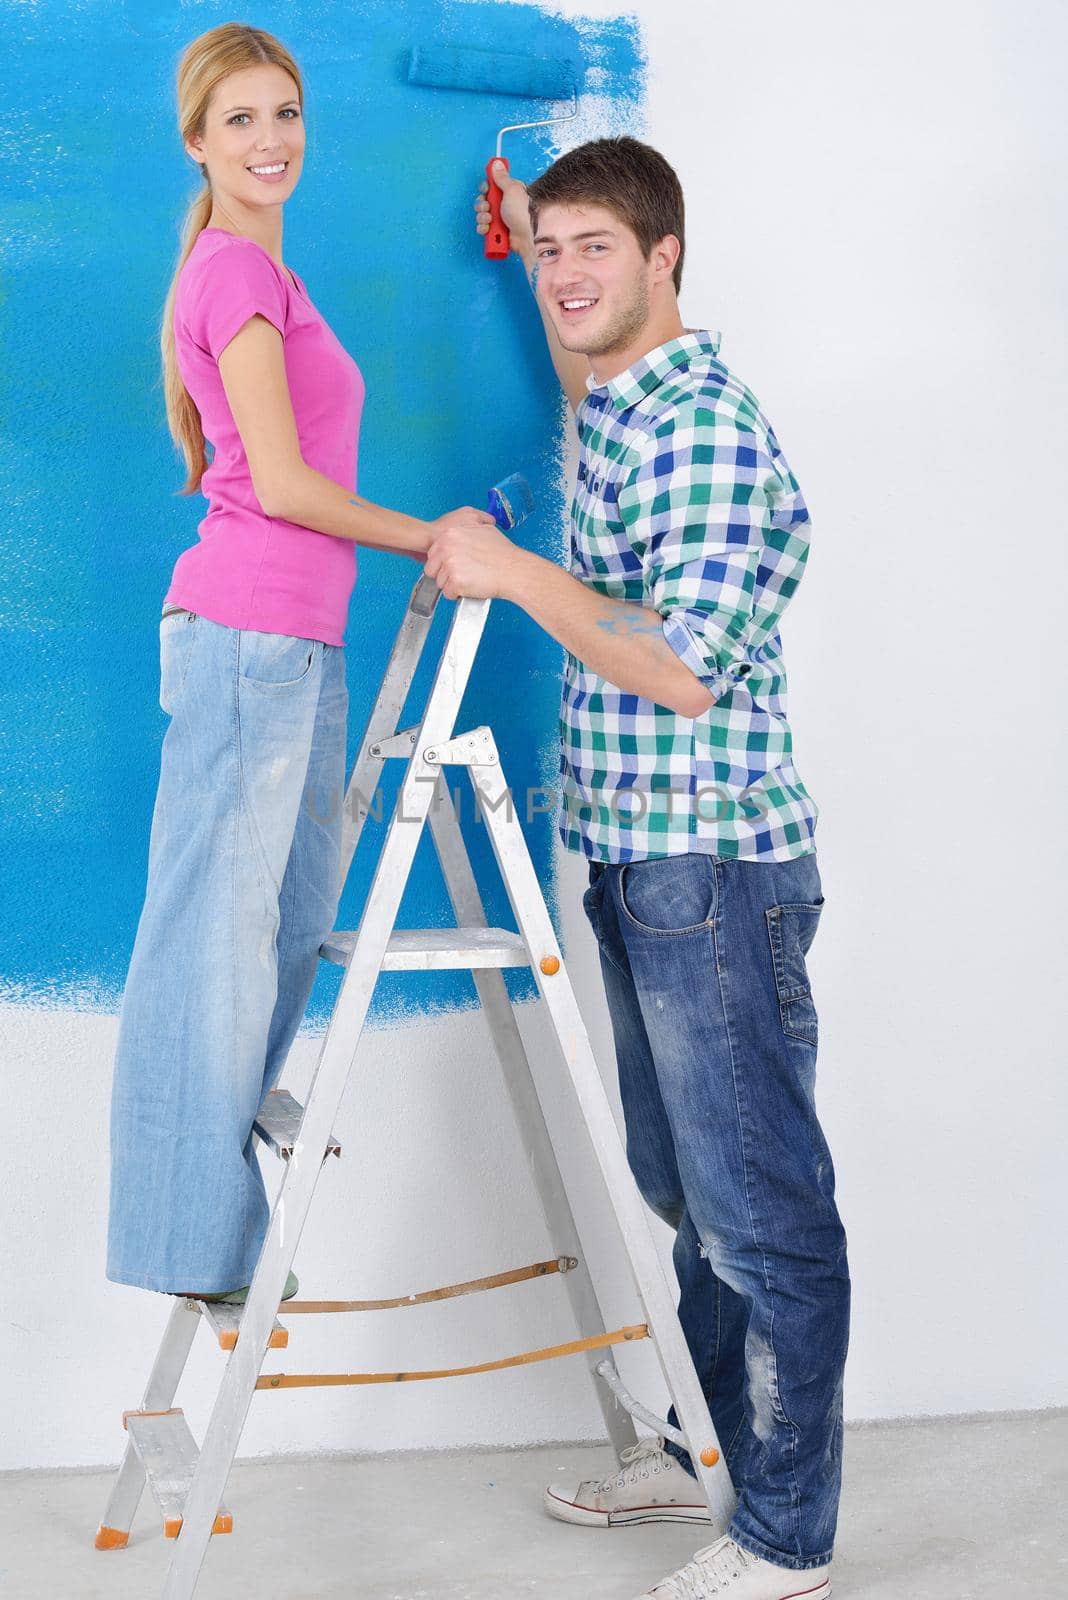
{"x": 526, "y": 1106}
{"x": 532, "y": 916}
{"x": 162, "y": 1385}
{"x": 382, "y": 722}
{"x": 332, "y": 1073}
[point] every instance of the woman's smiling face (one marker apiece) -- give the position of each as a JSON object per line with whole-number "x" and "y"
{"x": 253, "y": 121}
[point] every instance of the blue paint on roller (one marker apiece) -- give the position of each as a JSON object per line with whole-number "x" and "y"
{"x": 460, "y": 387}
{"x": 491, "y": 72}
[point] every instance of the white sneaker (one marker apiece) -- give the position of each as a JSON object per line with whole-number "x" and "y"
{"x": 651, "y": 1486}
{"x": 725, "y": 1570}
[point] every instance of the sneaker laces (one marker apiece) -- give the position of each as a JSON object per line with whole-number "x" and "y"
{"x": 710, "y": 1573}
{"x": 635, "y": 1460}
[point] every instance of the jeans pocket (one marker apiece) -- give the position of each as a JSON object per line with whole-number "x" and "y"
{"x": 669, "y": 895}
{"x": 275, "y": 661}
{"x": 592, "y": 903}
{"x": 791, "y": 930}
{"x": 176, "y": 629}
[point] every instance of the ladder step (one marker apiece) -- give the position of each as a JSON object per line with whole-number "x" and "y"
{"x": 427, "y": 949}
{"x": 168, "y": 1452}
{"x": 225, "y": 1323}
{"x": 278, "y": 1124}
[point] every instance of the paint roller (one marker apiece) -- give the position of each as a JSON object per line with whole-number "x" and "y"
{"x": 492, "y": 72}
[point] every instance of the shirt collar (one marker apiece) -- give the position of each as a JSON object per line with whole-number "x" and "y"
{"x": 628, "y": 387}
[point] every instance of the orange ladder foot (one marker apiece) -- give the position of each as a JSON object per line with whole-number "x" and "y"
{"x": 111, "y": 1538}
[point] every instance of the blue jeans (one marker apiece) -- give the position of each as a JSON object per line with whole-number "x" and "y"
{"x": 243, "y": 865}
{"x": 715, "y": 1031}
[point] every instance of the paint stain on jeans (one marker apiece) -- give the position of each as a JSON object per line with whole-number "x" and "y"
{"x": 762, "y": 1380}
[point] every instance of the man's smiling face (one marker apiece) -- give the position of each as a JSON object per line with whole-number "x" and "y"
{"x": 592, "y": 278}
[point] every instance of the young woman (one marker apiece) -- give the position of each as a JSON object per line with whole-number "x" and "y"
{"x": 244, "y": 852}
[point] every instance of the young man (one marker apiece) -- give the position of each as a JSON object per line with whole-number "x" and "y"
{"x": 689, "y": 535}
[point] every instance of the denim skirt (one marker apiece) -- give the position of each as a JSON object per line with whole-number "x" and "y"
{"x": 242, "y": 889}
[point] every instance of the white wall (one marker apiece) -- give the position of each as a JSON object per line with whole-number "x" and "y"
{"x": 876, "y": 224}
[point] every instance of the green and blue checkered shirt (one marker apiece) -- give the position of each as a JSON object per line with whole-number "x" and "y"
{"x": 685, "y": 503}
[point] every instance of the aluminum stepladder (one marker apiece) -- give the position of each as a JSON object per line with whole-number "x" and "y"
{"x": 189, "y": 1485}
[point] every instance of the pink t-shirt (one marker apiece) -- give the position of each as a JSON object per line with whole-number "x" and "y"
{"x": 249, "y": 570}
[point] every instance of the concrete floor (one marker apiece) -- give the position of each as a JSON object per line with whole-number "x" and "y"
{"x": 960, "y": 1509}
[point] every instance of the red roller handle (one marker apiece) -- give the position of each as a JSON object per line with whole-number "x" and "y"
{"x": 498, "y": 239}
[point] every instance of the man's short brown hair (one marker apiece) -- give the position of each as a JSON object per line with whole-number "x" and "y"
{"x": 628, "y": 178}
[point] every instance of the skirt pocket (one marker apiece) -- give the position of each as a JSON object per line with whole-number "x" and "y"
{"x": 275, "y": 661}
{"x": 176, "y": 629}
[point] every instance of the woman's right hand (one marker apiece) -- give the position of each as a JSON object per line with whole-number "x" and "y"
{"x": 462, "y": 519}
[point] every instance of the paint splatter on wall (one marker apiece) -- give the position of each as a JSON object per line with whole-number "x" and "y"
{"x": 460, "y": 392}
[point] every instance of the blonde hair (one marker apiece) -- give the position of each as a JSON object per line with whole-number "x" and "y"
{"x": 203, "y": 65}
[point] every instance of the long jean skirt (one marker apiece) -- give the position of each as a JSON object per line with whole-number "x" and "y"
{"x": 244, "y": 858}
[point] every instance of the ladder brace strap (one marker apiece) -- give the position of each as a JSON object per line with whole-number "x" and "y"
{"x": 497, "y": 1280}
{"x": 313, "y": 1380}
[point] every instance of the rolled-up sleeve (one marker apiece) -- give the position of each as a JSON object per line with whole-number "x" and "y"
{"x": 702, "y": 504}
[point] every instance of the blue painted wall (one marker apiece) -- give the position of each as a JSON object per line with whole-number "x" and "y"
{"x": 460, "y": 392}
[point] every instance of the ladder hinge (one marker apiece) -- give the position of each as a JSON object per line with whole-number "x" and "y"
{"x": 399, "y": 744}
{"x": 475, "y": 749}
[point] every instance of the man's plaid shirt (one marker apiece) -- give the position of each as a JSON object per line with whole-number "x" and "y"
{"x": 685, "y": 503}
